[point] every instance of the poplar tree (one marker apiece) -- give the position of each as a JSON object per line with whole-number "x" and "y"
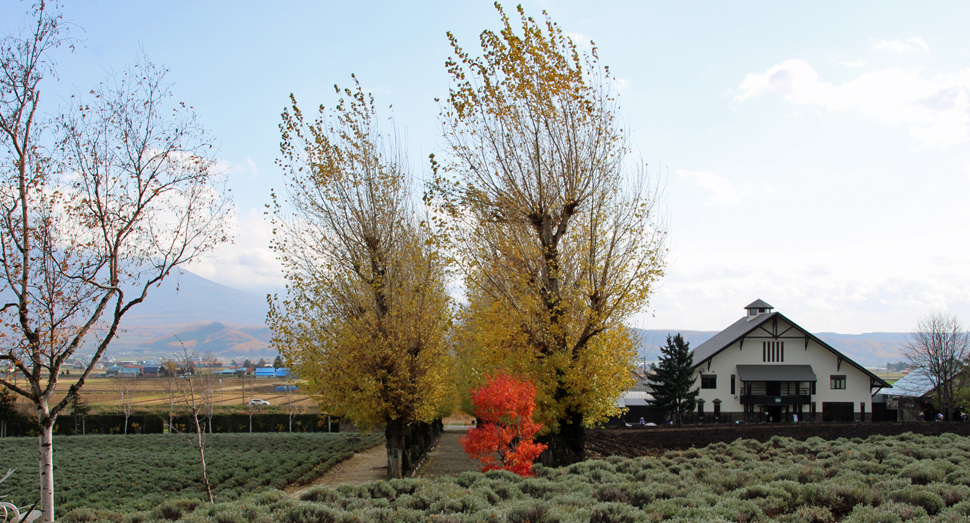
{"x": 365, "y": 320}
{"x": 557, "y": 238}
{"x": 673, "y": 380}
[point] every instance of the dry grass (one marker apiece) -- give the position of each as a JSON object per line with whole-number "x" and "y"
{"x": 104, "y": 393}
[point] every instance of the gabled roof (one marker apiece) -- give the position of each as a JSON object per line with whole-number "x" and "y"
{"x": 726, "y": 337}
{"x": 916, "y": 384}
{"x": 759, "y": 304}
{"x": 744, "y": 326}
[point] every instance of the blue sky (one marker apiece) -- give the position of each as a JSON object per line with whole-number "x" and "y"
{"x": 815, "y": 155}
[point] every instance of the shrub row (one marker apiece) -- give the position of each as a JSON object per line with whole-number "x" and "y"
{"x": 141, "y": 472}
{"x": 141, "y": 423}
{"x": 882, "y": 479}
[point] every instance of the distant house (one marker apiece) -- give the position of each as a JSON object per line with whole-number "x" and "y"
{"x": 150, "y": 371}
{"x": 129, "y": 372}
{"x": 909, "y": 395}
{"x": 764, "y": 367}
{"x": 265, "y": 372}
{"x": 636, "y": 401}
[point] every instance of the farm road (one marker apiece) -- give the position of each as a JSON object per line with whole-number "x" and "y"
{"x": 366, "y": 465}
{"x": 447, "y": 458}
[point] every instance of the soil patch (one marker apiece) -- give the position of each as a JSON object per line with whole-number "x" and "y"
{"x": 652, "y": 441}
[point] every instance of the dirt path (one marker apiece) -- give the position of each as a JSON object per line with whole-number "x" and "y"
{"x": 366, "y": 465}
{"x": 447, "y": 458}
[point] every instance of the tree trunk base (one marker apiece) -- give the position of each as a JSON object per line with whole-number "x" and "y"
{"x": 566, "y": 447}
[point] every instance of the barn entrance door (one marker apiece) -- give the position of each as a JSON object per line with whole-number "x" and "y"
{"x": 837, "y": 411}
{"x": 775, "y": 413}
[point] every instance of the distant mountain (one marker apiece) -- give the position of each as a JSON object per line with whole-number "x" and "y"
{"x": 205, "y": 315}
{"x": 216, "y": 338}
{"x": 870, "y": 349}
{"x": 230, "y": 323}
{"x": 189, "y": 298}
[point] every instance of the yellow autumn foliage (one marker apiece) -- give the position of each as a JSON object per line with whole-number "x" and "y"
{"x": 366, "y": 316}
{"x": 557, "y": 241}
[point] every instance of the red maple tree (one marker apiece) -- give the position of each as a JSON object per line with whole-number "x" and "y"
{"x": 503, "y": 437}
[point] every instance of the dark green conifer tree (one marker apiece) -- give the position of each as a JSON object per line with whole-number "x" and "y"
{"x": 672, "y": 383}
{"x": 7, "y": 410}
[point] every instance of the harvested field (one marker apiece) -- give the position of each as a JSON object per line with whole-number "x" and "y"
{"x": 104, "y": 393}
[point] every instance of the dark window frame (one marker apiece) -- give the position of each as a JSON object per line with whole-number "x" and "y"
{"x": 708, "y": 381}
{"x": 837, "y": 382}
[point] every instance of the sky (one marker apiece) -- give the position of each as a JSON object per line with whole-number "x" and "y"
{"x": 815, "y": 155}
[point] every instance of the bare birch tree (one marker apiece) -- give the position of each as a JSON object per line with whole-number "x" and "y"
{"x": 559, "y": 243}
{"x": 365, "y": 320}
{"x": 89, "y": 226}
{"x": 939, "y": 348}
{"x": 194, "y": 393}
{"x": 127, "y": 385}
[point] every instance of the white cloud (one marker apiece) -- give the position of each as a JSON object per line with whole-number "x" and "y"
{"x": 722, "y": 189}
{"x": 620, "y": 84}
{"x": 246, "y": 168}
{"x": 248, "y": 263}
{"x": 900, "y": 46}
{"x": 862, "y": 62}
{"x": 937, "y": 110}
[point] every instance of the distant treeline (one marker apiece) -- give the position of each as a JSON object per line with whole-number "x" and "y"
{"x": 146, "y": 423}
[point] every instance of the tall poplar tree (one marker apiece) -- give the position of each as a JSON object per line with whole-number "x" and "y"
{"x": 557, "y": 241}
{"x": 366, "y": 316}
{"x": 673, "y": 380}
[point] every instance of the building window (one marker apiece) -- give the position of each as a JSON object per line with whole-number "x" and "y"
{"x": 732, "y": 384}
{"x": 773, "y": 351}
{"x": 708, "y": 381}
{"x": 838, "y": 382}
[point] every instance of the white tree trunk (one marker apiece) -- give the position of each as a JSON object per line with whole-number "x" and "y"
{"x": 46, "y": 425}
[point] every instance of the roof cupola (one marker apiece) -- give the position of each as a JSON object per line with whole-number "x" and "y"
{"x": 757, "y": 308}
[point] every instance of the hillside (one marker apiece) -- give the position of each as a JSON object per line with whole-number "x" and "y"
{"x": 229, "y": 323}
{"x": 206, "y": 316}
{"x": 187, "y": 298}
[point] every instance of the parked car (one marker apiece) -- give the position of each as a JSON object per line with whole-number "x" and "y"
{"x": 258, "y": 402}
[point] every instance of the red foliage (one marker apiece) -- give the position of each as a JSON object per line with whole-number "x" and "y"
{"x": 503, "y": 438}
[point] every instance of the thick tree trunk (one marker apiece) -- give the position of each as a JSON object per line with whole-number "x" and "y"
{"x": 394, "y": 434}
{"x": 568, "y": 446}
{"x": 46, "y": 425}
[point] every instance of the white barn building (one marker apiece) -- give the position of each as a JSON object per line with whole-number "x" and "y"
{"x": 764, "y": 367}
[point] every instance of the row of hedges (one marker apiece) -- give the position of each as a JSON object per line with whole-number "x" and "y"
{"x": 142, "y": 423}
{"x": 418, "y": 442}
{"x": 907, "y": 478}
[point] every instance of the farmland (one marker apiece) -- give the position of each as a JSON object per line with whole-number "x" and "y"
{"x": 139, "y": 472}
{"x": 103, "y": 394}
{"x": 878, "y": 479}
